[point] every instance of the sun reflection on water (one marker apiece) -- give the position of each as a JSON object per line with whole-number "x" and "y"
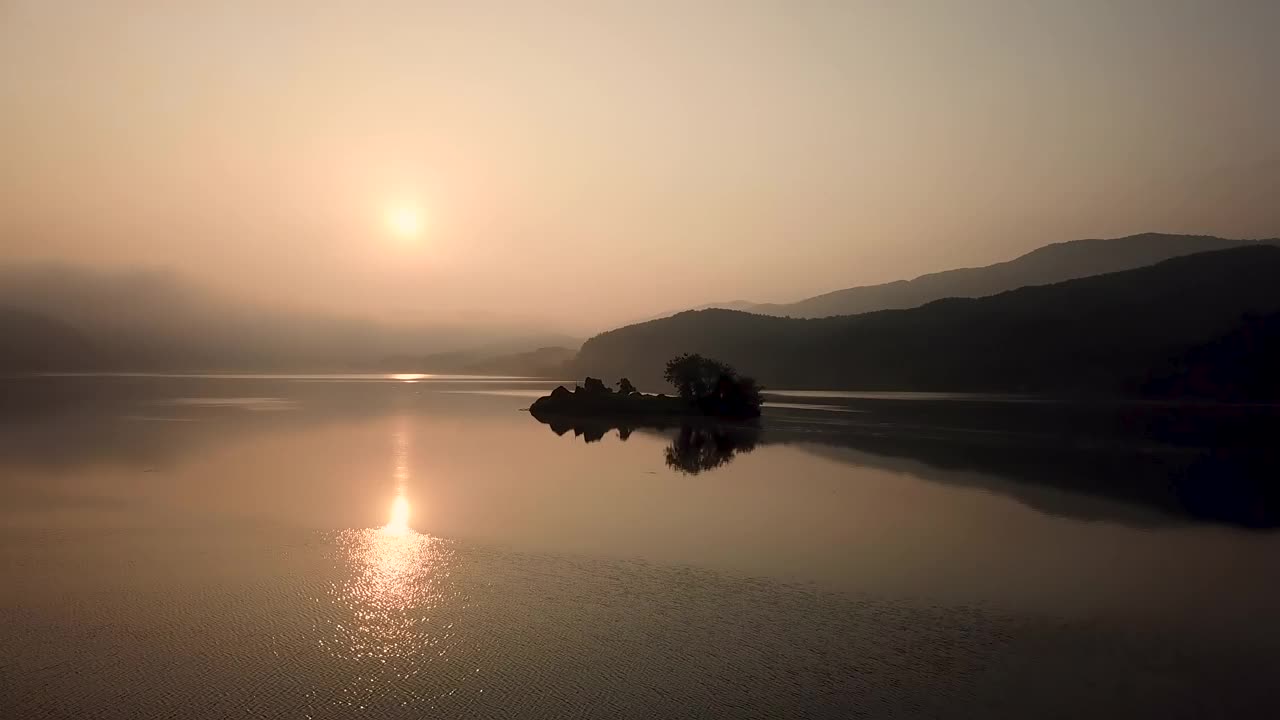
{"x": 408, "y": 377}
{"x": 399, "y": 522}
{"x": 394, "y": 602}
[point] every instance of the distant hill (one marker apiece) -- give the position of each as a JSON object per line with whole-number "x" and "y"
{"x": 153, "y": 320}
{"x": 541, "y": 362}
{"x": 29, "y": 339}
{"x": 1049, "y": 264}
{"x": 743, "y": 305}
{"x": 1122, "y": 332}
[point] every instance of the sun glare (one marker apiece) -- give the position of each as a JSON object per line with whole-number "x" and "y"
{"x": 404, "y": 222}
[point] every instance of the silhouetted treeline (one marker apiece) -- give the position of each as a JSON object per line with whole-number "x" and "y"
{"x": 1130, "y": 332}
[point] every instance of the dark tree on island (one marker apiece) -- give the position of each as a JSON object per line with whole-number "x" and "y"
{"x": 694, "y": 376}
{"x": 713, "y": 387}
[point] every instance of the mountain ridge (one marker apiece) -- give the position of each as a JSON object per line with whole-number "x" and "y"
{"x": 1116, "y": 333}
{"x": 1055, "y": 262}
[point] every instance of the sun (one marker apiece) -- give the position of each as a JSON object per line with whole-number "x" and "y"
{"x": 404, "y": 221}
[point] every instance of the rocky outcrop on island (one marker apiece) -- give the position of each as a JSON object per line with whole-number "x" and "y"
{"x": 594, "y": 399}
{"x": 707, "y": 388}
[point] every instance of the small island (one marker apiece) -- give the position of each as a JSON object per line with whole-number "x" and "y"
{"x": 705, "y": 388}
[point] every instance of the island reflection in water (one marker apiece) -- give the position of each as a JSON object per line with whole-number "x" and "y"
{"x": 694, "y": 448}
{"x": 394, "y": 606}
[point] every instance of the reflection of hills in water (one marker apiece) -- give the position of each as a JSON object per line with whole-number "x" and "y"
{"x": 1137, "y": 464}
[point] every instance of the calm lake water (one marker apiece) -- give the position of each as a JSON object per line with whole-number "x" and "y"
{"x": 353, "y": 546}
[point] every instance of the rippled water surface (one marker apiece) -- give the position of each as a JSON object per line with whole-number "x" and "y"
{"x": 416, "y": 546}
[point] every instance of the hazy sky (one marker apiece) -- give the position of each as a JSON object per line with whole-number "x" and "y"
{"x": 597, "y": 162}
